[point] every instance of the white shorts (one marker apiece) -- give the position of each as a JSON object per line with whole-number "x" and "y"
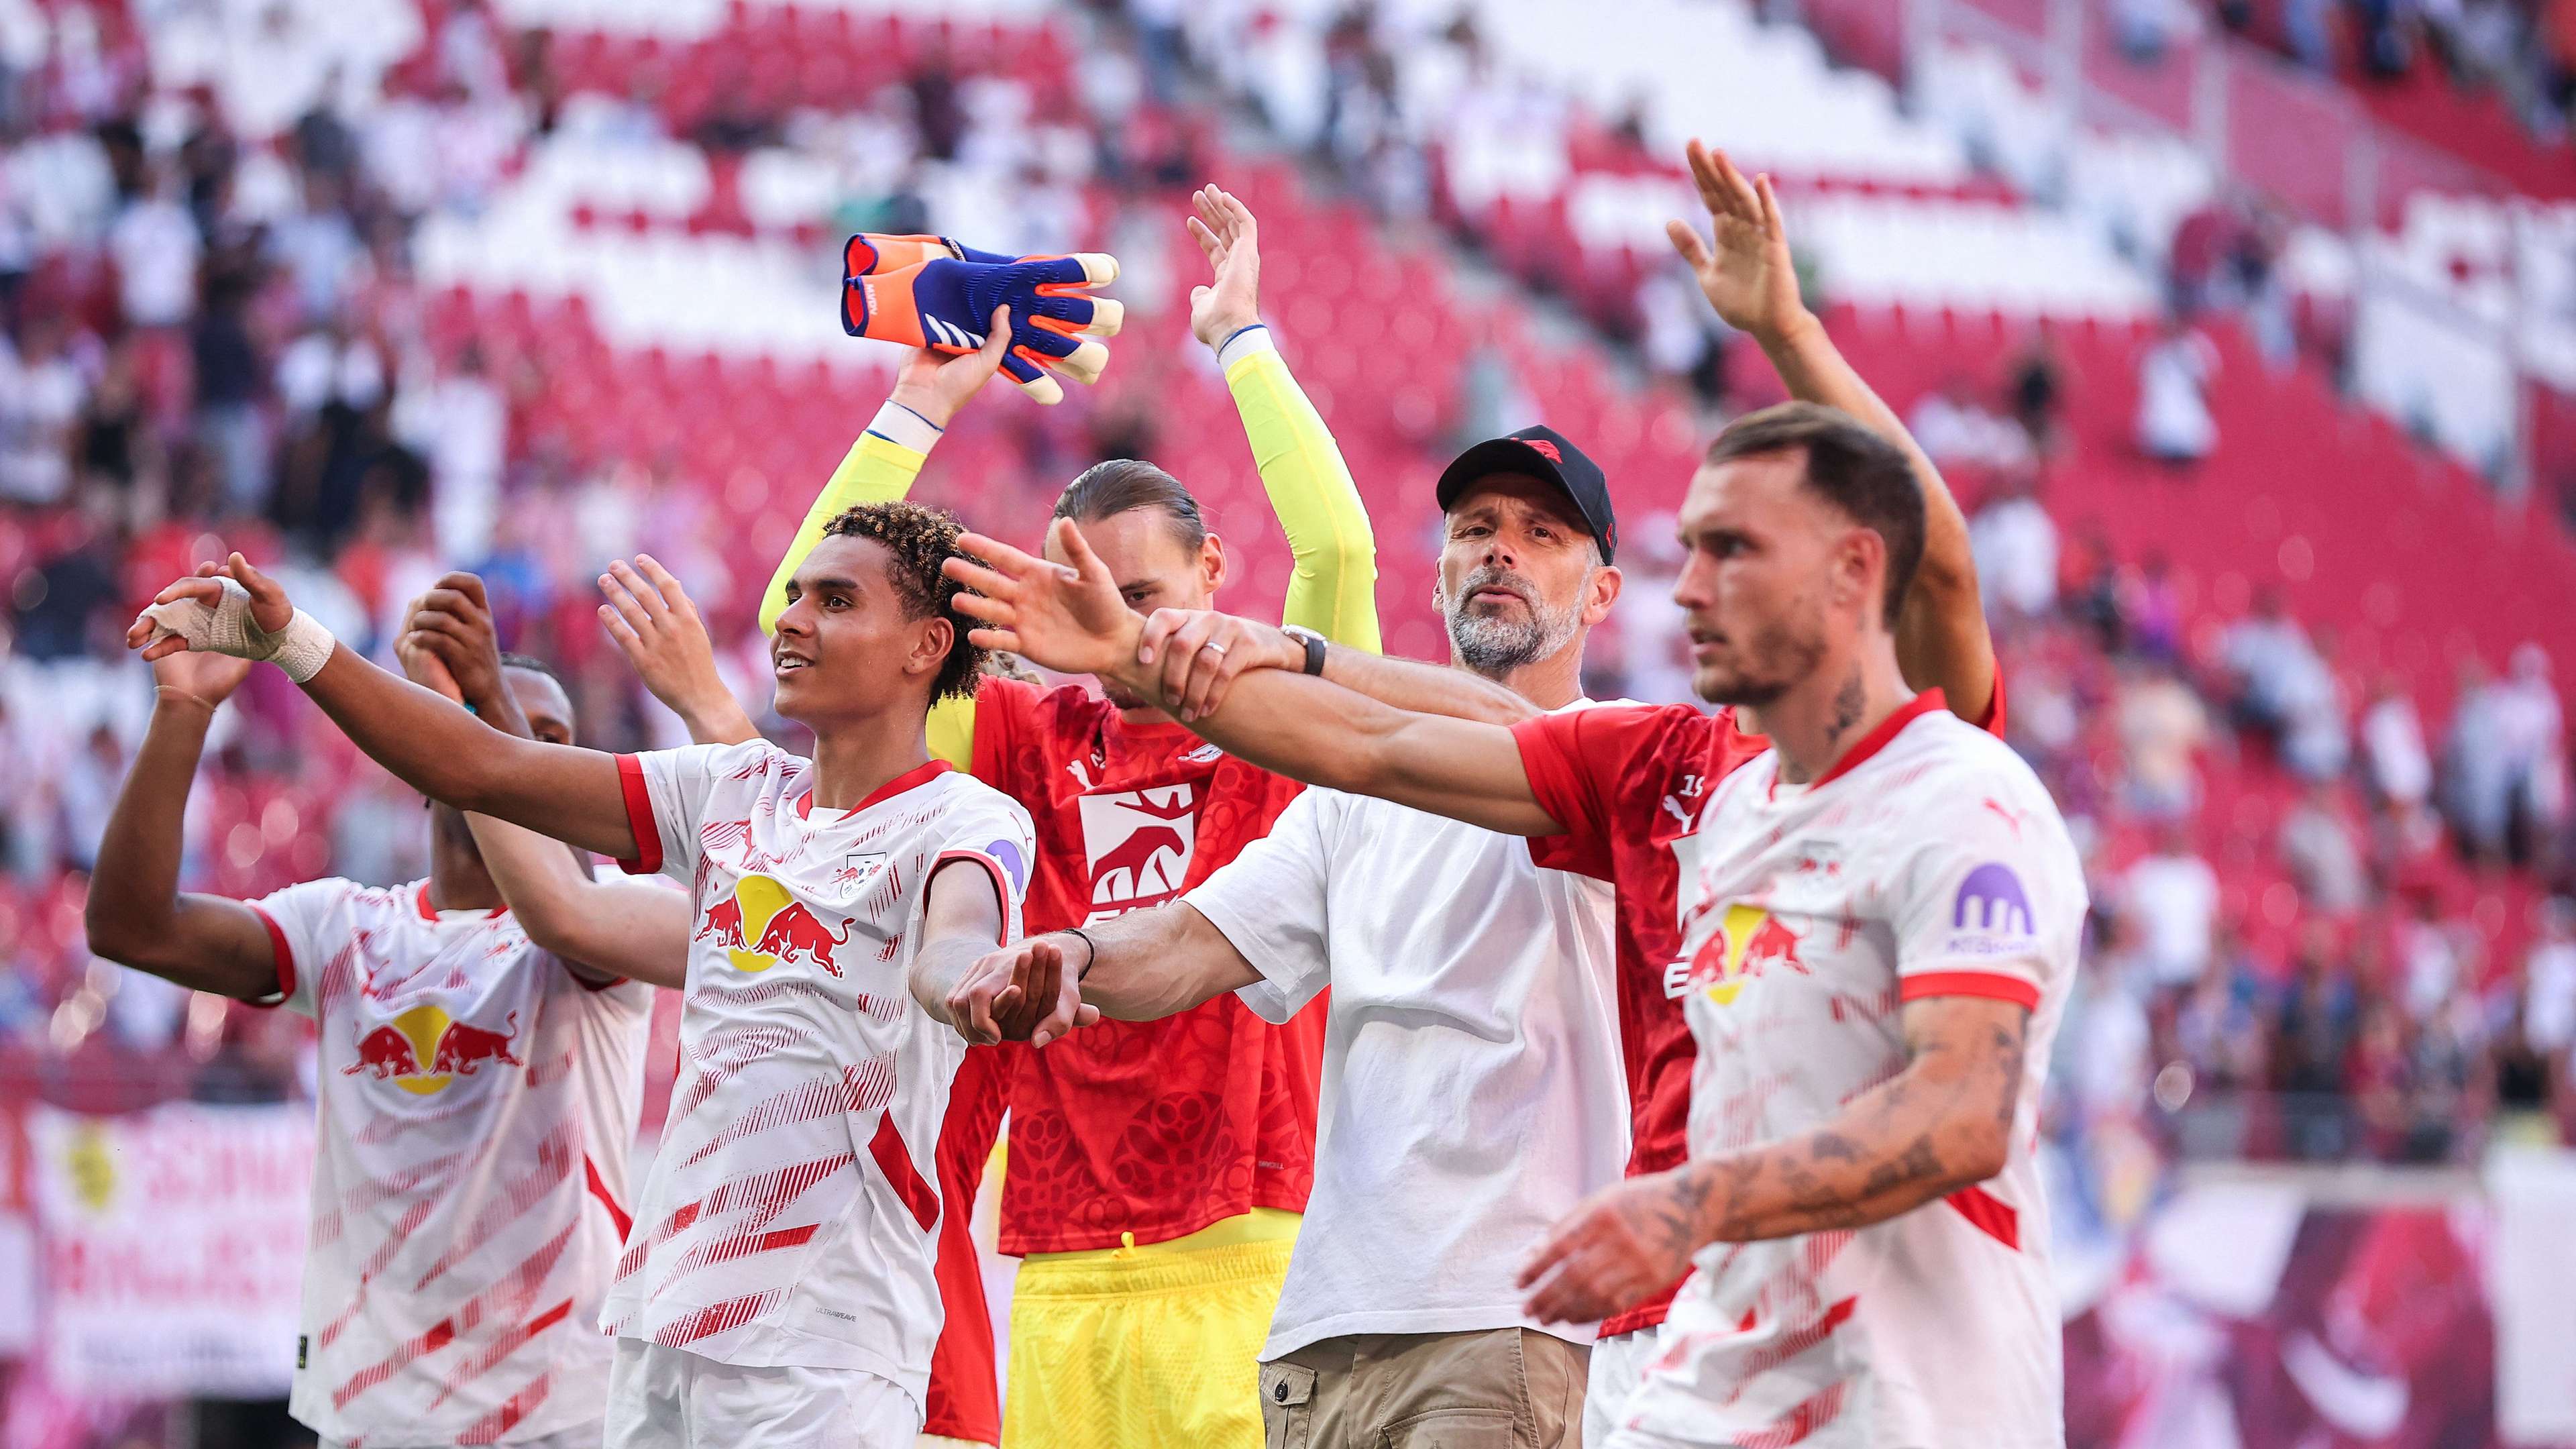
{"x": 669, "y": 1398}
{"x": 1618, "y": 1366}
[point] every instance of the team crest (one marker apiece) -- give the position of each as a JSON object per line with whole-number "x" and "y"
{"x": 1748, "y": 941}
{"x": 760, "y": 925}
{"x": 1139, "y": 844}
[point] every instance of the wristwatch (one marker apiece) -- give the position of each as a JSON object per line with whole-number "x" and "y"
{"x": 1314, "y": 643}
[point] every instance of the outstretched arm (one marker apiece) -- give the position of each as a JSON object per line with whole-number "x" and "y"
{"x": 1942, "y": 1123}
{"x": 963, "y": 923}
{"x": 1142, "y": 966}
{"x": 1941, "y": 638}
{"x": 136, "y": 914}
{"x": 1073, "y": 620}
{"x": 1334, "y": 588}
{"x": 428, "y": 743}
{"x": 1200, "y": 654}
{"x": 605, "y": 928}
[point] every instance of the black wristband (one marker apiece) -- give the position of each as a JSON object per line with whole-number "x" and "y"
{"x": 1314, "y": 643}
{"x": 1091, "y": 945}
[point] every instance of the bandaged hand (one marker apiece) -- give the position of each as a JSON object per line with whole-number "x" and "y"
{"x": 221, "y": 611}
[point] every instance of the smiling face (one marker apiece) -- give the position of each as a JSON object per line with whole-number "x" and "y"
{"x": 1154, "y": 566}
{"x": 847, "y": 634}
{"x": 1775, "y": 581}
{"x": 1520, "y": 577}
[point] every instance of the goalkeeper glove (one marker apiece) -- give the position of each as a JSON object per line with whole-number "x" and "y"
{"x": 936, "y": 300}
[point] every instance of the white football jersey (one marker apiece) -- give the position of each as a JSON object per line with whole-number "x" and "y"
{"x": 1930, "y": 862}
{"x": 790, "y": 1214}
{"x": 469, "y": 1181}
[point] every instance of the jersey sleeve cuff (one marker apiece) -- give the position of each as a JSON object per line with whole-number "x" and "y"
{"x": 284, "y": 955}
{"x": 905, "y": 428}
{"x": 1001, "y": 883}
{"x": 1246, "y": 344}
{"x": 647, "y": 859}
{"x": 1991, "y": 984}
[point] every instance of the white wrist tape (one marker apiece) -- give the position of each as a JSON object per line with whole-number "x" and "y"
{"x": 226, "y": 627}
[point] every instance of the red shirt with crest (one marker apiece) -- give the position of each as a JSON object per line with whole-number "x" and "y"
{"x": 1626, "y": 783}
{"x": 1157, "y": 1128}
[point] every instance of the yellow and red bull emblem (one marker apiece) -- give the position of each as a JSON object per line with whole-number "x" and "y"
{"x": 761, "y": 925}
{"x": 1748, "y": 940}
{"x": 423, "y": 1049}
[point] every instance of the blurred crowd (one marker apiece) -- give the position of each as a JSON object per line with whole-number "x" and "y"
{"x": 2324, "y": 916}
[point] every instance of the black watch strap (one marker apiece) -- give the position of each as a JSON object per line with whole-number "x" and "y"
{"x": 1314, "y": 643}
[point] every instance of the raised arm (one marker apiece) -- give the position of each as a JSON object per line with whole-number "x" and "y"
{"x": 136, "y": 914}
{"x": 1334, "y": 588}
{"x": 602, "y": 926}
{"x": 655, "y": 624}
{"x": 429, "y": 743}
{"x": 1942, "y": 1123}
{"x": 1072, "y": 619}
{"x": 1941, "y": 637}
{"x": 882, "y": 465}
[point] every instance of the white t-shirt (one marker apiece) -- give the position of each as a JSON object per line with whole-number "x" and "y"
{"x": 1930, "y": 863}
{"x": 1473, "y": 1091}
{"x": 790, "y": 1216}
{"x": 469, "y": 1175}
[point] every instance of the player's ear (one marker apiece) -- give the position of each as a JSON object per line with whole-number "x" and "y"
{"x": 1212, "y": 563}
{"x": 1600, "y": 594}
{"x": 931, "y": 641}
{"x": 1860, "y": 564}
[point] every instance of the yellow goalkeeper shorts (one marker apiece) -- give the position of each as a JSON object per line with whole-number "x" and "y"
{"x": 1130, "y": 1347}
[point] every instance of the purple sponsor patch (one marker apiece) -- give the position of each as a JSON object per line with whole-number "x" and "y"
{"x": 1008, "y": 853}
{"x": 1991, "y": 899}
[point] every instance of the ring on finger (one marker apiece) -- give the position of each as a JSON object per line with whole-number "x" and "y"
{"x": 1213, "y": 647}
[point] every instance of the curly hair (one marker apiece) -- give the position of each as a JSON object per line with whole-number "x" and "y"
{"x": 918, "y": 540}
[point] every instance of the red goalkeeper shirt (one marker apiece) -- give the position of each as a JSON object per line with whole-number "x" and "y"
{"x": 1156, "y": 1128}
{"x": 1627, "y": 783}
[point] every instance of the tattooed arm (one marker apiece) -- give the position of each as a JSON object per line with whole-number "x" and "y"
{"x": 1942, "y": 1123}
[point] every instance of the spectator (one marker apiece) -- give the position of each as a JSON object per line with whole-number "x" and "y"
{"x": 2549, "y": 981}
{"x": 2015, "y": 544}
{"x": 2478, "y": 770}
{"x": 1955, "y": 429}
{"x": 2174, "y": 422}
{"x": 2429, "y": 952}
{"x": 2173, "y": 895}
{"x": 2037, "y": 387}
{"x": 2534, "y": 736}
{"x": 2322, "y": 854}
{"x": 2273, "y": 665}
{"x": 462, "y": 423}
{"x": 2313, "y": 1047}
{"x": 41, "y": 396}
{"x": 2162, "y": 730}
{"x": 2394, "y": 759}
{"x": 156, "y": 246}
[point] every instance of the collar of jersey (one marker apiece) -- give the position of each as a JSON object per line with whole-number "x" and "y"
{"x": 914, "y": 778}
{"x": 1873, "y": 742}
{"x": 429, "y": 913}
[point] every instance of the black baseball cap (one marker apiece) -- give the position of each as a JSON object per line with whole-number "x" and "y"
{"x": 1540, "y": 452}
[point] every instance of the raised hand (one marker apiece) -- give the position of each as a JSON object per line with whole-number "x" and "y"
{"x": 656, "y": 626}
{"x": 453, "y": 624}
{"x": 1202, "y": 652}
{"x": 1747, "y": 275}
{"x": 1231, "y": 301}
{"x": 207, "y": 678}
{"x": 936, "y": 384}
{"x": 1069, "y": 619}
{"x": 419, "y": 664}
{"x": 243, "y": 612}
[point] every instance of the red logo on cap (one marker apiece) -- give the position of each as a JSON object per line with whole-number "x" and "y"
{"x": 1545, "y": 449}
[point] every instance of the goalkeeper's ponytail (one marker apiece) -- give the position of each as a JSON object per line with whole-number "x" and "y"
{"x": 1122, "y": 485}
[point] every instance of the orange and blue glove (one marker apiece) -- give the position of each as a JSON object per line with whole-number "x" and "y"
{"x": 924, "y": 291}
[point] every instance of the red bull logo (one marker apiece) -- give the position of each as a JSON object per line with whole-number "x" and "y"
{"x": 777, "y": 926}
{"x": 1747, "y": 942}
{"x": 423, "y": 1049}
